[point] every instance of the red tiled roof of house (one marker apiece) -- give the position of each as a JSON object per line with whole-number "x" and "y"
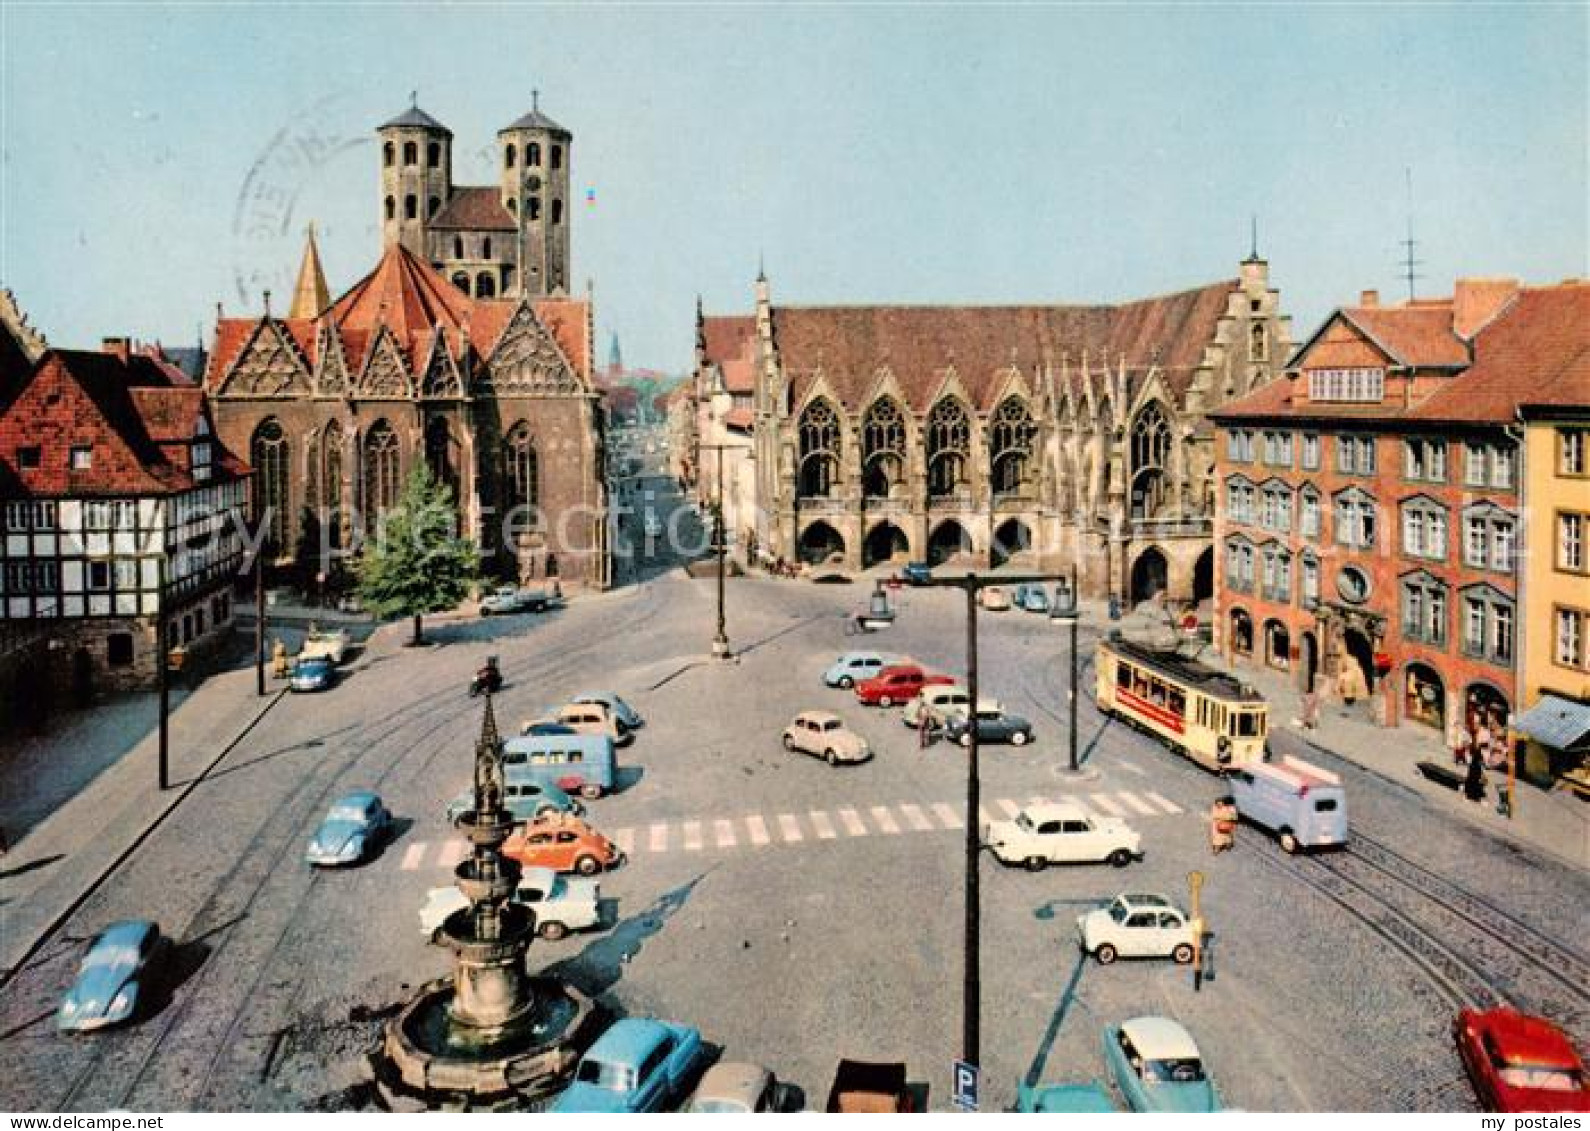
{"x": 730, "y": 343}
{"x": 132, "y": 414}
{"x": 1420, "y": 335}
{"x": 475, "y": 207}
{"x": 920, "y": 343}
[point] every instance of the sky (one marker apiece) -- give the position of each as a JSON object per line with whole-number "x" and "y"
{"x": 157, "y": 160}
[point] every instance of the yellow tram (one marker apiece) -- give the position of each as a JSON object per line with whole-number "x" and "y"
{"x": 1212, "y": 718}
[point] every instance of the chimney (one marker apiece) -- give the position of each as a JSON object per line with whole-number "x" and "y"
{"x": 119, "y": 348}
{"x": 1369, "y": 298}
{"x": 1476, "y": 301}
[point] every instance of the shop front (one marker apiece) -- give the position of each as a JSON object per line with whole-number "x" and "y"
{"x": 1556, "y": 741}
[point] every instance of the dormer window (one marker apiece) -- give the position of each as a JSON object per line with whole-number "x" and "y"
{"x": 200, "y": 456}
{"x": 82, "y": 458}
{"x": 28, "y": 458}
{"x": 1360, "y": 385}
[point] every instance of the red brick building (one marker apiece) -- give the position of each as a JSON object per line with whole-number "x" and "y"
{"x": 1368, "y": 512}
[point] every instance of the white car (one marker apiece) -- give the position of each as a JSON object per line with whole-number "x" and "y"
{"x": 507, "y": 599}
{"x": 561, "y": 903}
{"x": 332, "y": 645}
{"x": 1054, "y": 833}
{"x": 940, "y": 701}
{"x": 1136, "y": 925}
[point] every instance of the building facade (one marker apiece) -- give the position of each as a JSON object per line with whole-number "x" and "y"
{"x": 720, "y": 397}
{"x": 510, "y": 239}
{"x": 1053, "y": 436}
{"x": 1369, "y": 514}
{"x": 121, "y": 507}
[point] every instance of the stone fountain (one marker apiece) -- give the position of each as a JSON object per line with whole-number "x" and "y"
{"x": 492, "y": 1037}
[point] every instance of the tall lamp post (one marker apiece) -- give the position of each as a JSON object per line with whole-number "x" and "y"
{"x": 1063, "y": 610}
{"x": 163, "y": 658}
{"x": 720, "y": 547}
{"x": 971, "y": 982}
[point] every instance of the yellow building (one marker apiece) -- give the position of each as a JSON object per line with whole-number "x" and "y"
{"x": 1554, "y": 683}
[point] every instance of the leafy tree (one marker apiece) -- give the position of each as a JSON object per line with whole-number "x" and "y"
{"x": 416, "y": 563}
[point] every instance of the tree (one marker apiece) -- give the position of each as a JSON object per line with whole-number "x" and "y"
{"x": 416, "y": 563}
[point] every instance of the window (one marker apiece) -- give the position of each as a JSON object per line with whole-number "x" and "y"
{"x": 1352, "y": 584}
{"x": 381, "y": 483}
{"x": 199, "y": 456}
{"x": 522, "y": 469}
{"x": 1424, "y": 609}
{"x": 1355, "y": 520}
{"x": 948, "y": 442}
{"x": 411, "y": 207}
{"x": 1239, "y": 445}
{"x": 1239, "y": 565}
{"x": 1571, "y": 650}
{"x": 1571, "y": 451}
{"x": 883, "y": 449}
{"x": 1424, "y": 529}
{"x": 82, "y": 457}
{"x": 433, "y": 155}
{"x": 1488, "y": 464}
{"x": 269, "y": 454}
{"x": 1258, "y": 342}
{"x": 119, "y": 649}
{"x": 532, "y": 155}
{"x": 432, "y": 207}
{"x": 458, "y": 247}
{"x": 1310, "y": 452}
{"x": 125, "y": 571}
{"x": 534, "y": 211}
{"x": 1278, "y": 449}
{"x": 1570, "y": 542}
{"x": 1310, "y": 581}
{"x": 1275, "y": 511}
{"x": 485, "y": 247}
{"x": 391, "y": 208}
{"x": 1277, "y": 574}
{"x": 557, "y": 211}
{"x": 1488, "y": 538}
{"x": 510, "y": 156}
{"x": 1239, "y": 499}
{"x": 411, "y": 153}
{"x": 388, "y": 154}
{"x": 557, "y": 157}
{"x": 819, "y": 450}
{"x": 1424, "y": 460}
{"x": 1363, "y": 385}
{"x": 1308, "y": 517}
{"x": 1488, "y": 624}
{"x": 1010, "y": 447}
{"x": 1355, "y": 455}
{"x": 28, "y": 458}
{"x": 99, "y": 575}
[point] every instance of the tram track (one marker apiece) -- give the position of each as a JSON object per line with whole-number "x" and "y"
{"x": 261, "y": 859}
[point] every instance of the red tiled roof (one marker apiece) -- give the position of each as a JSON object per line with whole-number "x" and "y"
{"x": 1420, "y": 335}
{"x": 476, "y": 208}
{"x": 919, "y": 343}
{"x": 730, "y": 342}
{"x": 130, "y": 412}
{"x": 409, "y": 297}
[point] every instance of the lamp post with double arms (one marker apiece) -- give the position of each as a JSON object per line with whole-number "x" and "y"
{"x": 971, "y": 982}
{"x": 720, "y": 547}
{"x": 1063, "y": 610}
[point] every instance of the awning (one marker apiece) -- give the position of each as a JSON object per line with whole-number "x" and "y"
{"x": 1563, "y": 724}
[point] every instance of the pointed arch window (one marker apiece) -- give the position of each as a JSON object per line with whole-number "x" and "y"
{"x": 331, "y": 442}
{"x": 485, "y": 248}
{"x": 485, "y": 285}
{"x": 411, "y": 153}
{"x": 441, "y": 454}
{"x": 389, "y": 154}
{"x": 510, "y": 156}
{"x": 534, "y": 205}
{"x": 458, "y": 247}
{"x": 269, "y": 453}
{"x": 381, "y": 484}
{"x": 1258, "y": 342}
{"x": 883, "y": 449}
{"x": 532, "y": 155}
{"x": 1150, "y": 457}
{"x": 521, "y": 471}
{"x": 411, "y": 207}
{"x": 949, "y": 444}
{"x": 391, "y": 208}
{"x": 433, "y": 155}
{"x": 1010, "y": 447}
{"x": 461, "y": 281}
{"x": 433, "y": 206}
{"x": 819, "y": 461}
{"x": 557, "y": 212}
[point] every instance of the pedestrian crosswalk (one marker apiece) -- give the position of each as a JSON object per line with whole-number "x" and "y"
{"x": 755, "y": 830}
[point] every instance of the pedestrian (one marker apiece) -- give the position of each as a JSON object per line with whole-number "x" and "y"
{"x": 1311, "y": 710}
{"x": 1222, "y": 825}
{"x": 1481, "y": 749}
{"x": 1474, "y": 779}
{"x": 1462, "y": 743}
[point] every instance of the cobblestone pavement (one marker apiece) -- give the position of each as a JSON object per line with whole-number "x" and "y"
{"x": 795, "y": 912}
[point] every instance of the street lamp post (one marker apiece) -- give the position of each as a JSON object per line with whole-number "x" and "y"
{"x": 163, "y": 659}
{"x": 1064, "y": 610}
{"x": 971, "y": 981}
{"x": 720, "y": 546}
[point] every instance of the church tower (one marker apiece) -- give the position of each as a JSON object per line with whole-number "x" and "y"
{"x": 416, "y": 177}
{"x": 535, "y": 154}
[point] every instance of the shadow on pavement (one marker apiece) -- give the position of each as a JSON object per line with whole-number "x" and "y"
{"x": 600, "y": 966}
{"x": 1046, "y": 1042}
{"x": 32, "y": 865}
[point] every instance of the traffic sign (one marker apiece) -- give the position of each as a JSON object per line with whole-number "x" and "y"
{"x": 966, "y": 1084}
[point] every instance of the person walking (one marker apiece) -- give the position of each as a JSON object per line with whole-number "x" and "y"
{"x": 1222, "y": 825}
{"x": 1474, "y": 779}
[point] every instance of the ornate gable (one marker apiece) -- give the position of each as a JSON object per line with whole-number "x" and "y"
{"x": 331, "y": 379}
{"x": 442, "y": 378}
{"x": 950, "y": 385}
{"x": 269, "y": 366}
{"x": 386, "y": 373}
{"x": 527, "y": 361}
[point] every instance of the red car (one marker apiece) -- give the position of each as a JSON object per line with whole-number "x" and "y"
{"x": 1520, "y": 1063}
{"x": 898, "y": 684}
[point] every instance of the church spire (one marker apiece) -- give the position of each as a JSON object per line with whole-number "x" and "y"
{"x": 310, "y": 296}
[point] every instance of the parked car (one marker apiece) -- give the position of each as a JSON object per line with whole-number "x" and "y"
{"x": 625, "y": 717}
{"x": 862, "y": 1086}
{"x": 509, "y": 599}
{"x": 564, "y": 844}
{"x": 116, "y": 969}
{"x": 333, "y": 644}
{"x": 314, "y": 674}
{"x": 1520, "y": 1063}
{"x": 1303, "y": 805}
{"x": 917, "y": 573}
{"x": 1061, "y": 833}
{"x": 732, "y": 1087}
{"x": 940, "y": 702}
{"x": 1032, "y": 598}
{"x": 1158, "y": 1068}
{"x": 524, "y": 800}
{"x": 854, "y": 667}
{"x": 1136, "y": 925}
{"x": 994, "y": 599}
{"x": 1078, "y": 1099}
{"x": 356, "y": 822}
{"x": 544, "y": 728}
{"x": 824, "y": 735}
{"x": 561, "y": 904}
{"x": 637, "y": 1065}
{"x": 583, "y": 718}
{"x": 899, "y": 683}
{"x": 993, "y": 725}
{"x": 575, "y": 763}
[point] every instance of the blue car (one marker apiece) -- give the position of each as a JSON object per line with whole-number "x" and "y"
{"x": 116, "y": 968}
{"x": 1073, "y": 1098}
{"x": 314, "y": 674}
{"x": 637, "y": 1065}
{"x": 916, "y": 573}
{"x": 853, "y": 667}
{"x": 524, "y": 800}
{"x": 1157, "y": 1066}
{"x": 1032, "y": 598}
{"x": 356, "y": 823}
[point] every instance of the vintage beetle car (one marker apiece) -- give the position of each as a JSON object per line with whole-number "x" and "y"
{"x": 824, "y": 735}
{"x": 853, "y": 667}
{"x": 625, "y": 717}
{"x": 1158, "y": 1068}
{"x": 113, "y": 976}
{"x": 564, "y": 844}
{"x": 637, "y": 1065}
{"x": 356, "y": 822}
{"x": 732, "y": 1087}
{"x": 314, "y": 674}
